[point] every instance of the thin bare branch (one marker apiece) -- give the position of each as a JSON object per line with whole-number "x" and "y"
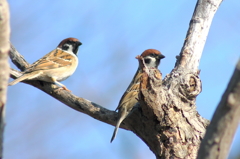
{"x": 223, "y": 126}
{"x": 197, "y": 34}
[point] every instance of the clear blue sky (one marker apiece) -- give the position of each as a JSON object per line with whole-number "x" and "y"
{"x": 112, "y": 33}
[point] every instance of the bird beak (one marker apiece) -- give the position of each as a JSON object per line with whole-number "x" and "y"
{"x": 161, "y": 56}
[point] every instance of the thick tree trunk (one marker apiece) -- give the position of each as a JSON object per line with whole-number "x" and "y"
{"x": 167, "y": 119}
{"x": 4, "y": 71}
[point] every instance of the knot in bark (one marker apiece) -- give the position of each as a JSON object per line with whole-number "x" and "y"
{"x": 190, "y": 86}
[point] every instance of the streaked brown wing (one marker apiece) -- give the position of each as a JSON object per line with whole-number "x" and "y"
{"x": 132, "y": 91}
{"x": 55, "y": 59}
{"x": 129, "y": 98}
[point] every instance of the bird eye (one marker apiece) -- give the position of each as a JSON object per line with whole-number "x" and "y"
{"x": 152, "y": 54}
{"x": 147, "y": 61}
{"x": 65, "y": 47}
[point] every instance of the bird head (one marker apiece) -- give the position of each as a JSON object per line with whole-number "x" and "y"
{"x": 152, "y": 58}
{"x": 70, "y": 45}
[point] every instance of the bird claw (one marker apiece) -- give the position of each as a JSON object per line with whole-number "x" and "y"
{"x": 65, "y": 88}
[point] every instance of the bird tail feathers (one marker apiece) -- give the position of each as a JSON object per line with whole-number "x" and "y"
{"x": 117, "y": 126}
{"x": 21, "y": 78}
{"x": 115, "y": 132}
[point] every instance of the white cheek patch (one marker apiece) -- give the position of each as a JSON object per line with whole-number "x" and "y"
{"x": 70, "y": 48}
{"x": 152, "y": 62}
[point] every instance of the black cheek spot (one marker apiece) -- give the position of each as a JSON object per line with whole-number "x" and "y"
{"x": 147, "y": 61}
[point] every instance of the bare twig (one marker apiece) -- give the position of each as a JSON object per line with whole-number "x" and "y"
{"x": 220, "y": 132}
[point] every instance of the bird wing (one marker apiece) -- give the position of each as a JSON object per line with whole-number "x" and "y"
{"x": 130, "y": 95}
{"x": 55, "y": 59}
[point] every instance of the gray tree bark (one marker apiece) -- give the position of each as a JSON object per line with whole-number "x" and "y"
{"x": 165, "y": 118}
{"x": 4, "y": 65}
{"x": 220, "y": 133}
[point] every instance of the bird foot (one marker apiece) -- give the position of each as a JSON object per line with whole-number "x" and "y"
{"x": 65, "y": 88}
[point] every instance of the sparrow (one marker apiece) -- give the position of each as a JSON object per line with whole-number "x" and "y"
{"x": 56, "y": 66}
{"x": 129, "y": 99}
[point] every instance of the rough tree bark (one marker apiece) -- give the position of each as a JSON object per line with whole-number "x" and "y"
{"x": 4, "y": 65}
{"x": 171, "y": 126}
{"x": 165, "y": 118}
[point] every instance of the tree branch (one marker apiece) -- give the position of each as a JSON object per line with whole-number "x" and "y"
{"x": 18, "y": 59}
{"x": 79, "y": 104}
{"x": 220, "y": 132}
{"x": 185, "y": 75}
{"x": 197, "y": 34}
{"x": 4, "y": 65}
